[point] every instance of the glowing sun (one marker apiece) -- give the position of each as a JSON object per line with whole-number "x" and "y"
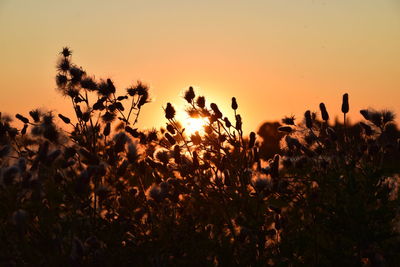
{"x": 193, "y": 125}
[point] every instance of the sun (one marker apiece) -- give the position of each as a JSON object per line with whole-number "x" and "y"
{"x": 193, "y": 125}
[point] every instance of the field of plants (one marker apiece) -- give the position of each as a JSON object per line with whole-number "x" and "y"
{"x": 95, "y": 190}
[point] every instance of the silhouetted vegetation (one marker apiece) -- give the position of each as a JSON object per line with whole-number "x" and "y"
{"x": 96, "y": 190}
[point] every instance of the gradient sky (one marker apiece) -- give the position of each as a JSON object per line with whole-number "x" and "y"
{"x": 277, "y": 57}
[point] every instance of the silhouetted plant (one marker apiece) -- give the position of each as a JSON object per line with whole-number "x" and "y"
{"x": 100, "y": 191}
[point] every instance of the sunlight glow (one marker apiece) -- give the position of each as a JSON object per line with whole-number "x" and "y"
{"x": 193, "y": 125}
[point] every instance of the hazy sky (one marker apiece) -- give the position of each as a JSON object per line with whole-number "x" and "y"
{"x": 277, "y": 57}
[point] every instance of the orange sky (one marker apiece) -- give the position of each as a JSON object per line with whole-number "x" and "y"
{"x": 277, "y": 57}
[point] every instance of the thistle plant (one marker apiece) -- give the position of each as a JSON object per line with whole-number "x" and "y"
{"x": 97, "y": 190}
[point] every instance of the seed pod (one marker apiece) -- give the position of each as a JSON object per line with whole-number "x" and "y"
{"x": 286, "y": 129}
{"x": 169, "y": 112}
{"x": 23, "y": 131}
{"x": 234, "y": 104}
{"x": 324, "y": 113}
{"x": 170, "y": 139}
{"x": 189, "y": 95}
{"x": 64, "y": 119}
{"x": 216, "y": 110}
{"x": 252, "y": 139}
{"x": 107, "y": 129}
{"x": 22, "y": 118}
{"x": 201, "y": 102}
{"x": 171, "y": 129}
{"x": 132, "y": 132}
{"x": 35, "y": 114}
{"x": 177, "y": 154}
{"x": 307, "y": 116}
{"x": 345, "y": 103}
{"x": 238, "y": 122}
{"x": 228, "y": 124}
{"x": 111, "y": 87}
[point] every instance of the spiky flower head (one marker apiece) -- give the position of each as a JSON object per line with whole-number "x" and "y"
{"x": 189, "y": 95}
{"x": 201, "y": 101}
{"x": 169, "y": 111}
{"x": 66, "y": 51}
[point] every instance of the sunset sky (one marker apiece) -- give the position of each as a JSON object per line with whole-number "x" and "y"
{"x": 276, "y": 57}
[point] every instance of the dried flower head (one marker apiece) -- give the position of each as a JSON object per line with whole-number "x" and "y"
{"x": 169, "y": 111}
{"x": 345, "y": 103}
{"x": 201, "y": 101}
{"x": 189, "y": 95}
{"x": 324, "y": 112}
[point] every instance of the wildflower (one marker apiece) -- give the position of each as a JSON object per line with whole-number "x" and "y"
{"x": 89, "y": 84}
{"x": 216, "y": 110}
{"x": 108, "y": 117}
{"x": 111, "y": 87}
{"x": 152, "y": 135}
{"x": 288, "y": 120}
{"x": 61, "y": 80}
{"x": 189, "y": 95}
{"x": 170, "y": 139}
{"x": 252, "y": 139}
{"x": 162, "y": 155}
{"x": 35, "y": 114}
{"x": 66, "y": 52}
{"x": 22, "y": 118}
{"x": 227, "y": 122}
{"x": 143, "y": 99}
{"x": 324, "y": 113}
{"x": 64, "y": 119}
{"x": 238, "y": 122}
{"x": 171, "y": 129}
{"x": 107, "y": 129}
{"x": 63, "y": 65}
{"x": 169, "y": 112}
{"x": 76, "y": 74}
{"x": 234, "y": 104}
{"x": 307, "y": 116}
{"x": 132, "y": 131}
{"x": 387, "y": 116}
{"x": 286, "y": 129}
{"x": 201, "y": 101}
{"x": 345, "y": 103}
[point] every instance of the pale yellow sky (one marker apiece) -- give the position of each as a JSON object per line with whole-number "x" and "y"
{"x": 277, "y": 57}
